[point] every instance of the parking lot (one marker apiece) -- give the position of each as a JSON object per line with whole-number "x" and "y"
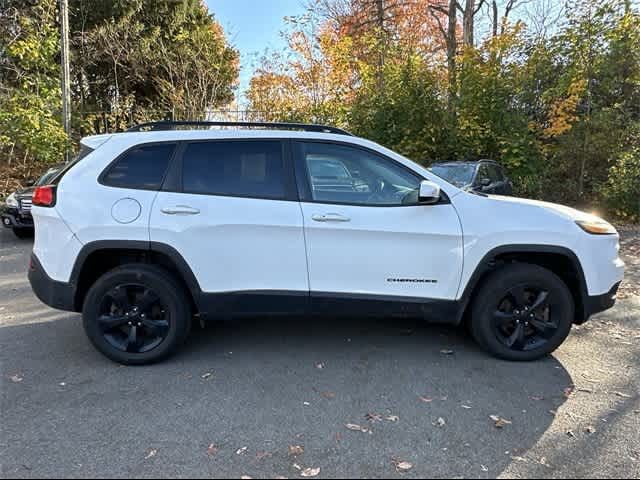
{"x": 235, "y": 400}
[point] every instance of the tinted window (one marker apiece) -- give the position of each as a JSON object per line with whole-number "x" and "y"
{"x": 484, "y": 175}
{"x": 496, "y": 173}
{"x": 344, "y": 174}
{"x": 246, "y": 169}
{"x": 143, "y": 167}
{"x": 459, "y": 175}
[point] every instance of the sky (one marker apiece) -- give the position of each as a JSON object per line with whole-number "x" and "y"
{"x": 252, "y": 26}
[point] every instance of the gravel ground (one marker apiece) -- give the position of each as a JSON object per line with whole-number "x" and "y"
{"x": 239, "y": 395}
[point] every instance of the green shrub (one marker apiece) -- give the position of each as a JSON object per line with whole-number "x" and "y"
{"x": 622, "y": 190}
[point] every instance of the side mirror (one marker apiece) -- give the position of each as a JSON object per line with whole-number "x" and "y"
{"x": 429, "y": 192}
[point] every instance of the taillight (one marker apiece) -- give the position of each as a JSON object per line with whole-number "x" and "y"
{"x": 44, "y": 196}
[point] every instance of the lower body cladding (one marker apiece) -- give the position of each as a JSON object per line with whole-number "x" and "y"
{"x": 62, "y": 296}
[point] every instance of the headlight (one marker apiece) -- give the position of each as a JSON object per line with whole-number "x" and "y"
{"x": 596, "y": 227}
{"x": 11, "y": 201}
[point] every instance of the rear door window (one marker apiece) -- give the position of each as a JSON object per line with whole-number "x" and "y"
{"x": 141, "y": 168}
{"x": 235, "y": 168}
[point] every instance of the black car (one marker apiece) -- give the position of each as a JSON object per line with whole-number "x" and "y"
{"x": 484, "y": 176}
{"x": 15, "y": 213}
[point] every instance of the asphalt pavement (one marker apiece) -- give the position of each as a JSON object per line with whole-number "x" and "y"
{"x": 240, "y": 394}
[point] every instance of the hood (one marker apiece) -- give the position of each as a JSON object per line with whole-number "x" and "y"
{"x": 25, "y": 192}
{"x": 559, "y": 210}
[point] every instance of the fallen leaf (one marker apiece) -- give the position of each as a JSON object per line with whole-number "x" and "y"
{"x": 426, "y": 399}
{"x": 16, "y": 378}
{"x": 622, "y": 395}
{"x": 320, "y": 366}
{"x": 499, "y": 422}
{"x": 297, "y": 467}
{"x": 393, "y": 418}
{"x": 357, "y": 428}
{"x": 543, "y": 461}
{"x": 568, "y": 392}
{"x": 328, "y": 395}
{"x": 447, "y": 352}
{"x": 373, "y": 417}
{"x": 571, "y": 434}
{"x": 262, "y": 455}
{"x": 295, "y": 450}
{"x": 306, "y": 404}
{"x": 403, "y": 466}
{"x": 519, "y": 459}
{"x": 590, "y": 429}
{"x": 466, "y": 407}
{"x": 212, "y": 450}
{"x": 483, "y": 468}
{"x": 151, "y": 453}
{"x": 242, "y": 451}
{"x": 310, "y": 472}
{"x": 206, "y": 376}
{"x": 440, "y": 422}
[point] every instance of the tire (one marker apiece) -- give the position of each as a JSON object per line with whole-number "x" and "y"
{"x": 121, "y": 326}
{"x": 23, "y": 233}
{"x": 504, "y": 312}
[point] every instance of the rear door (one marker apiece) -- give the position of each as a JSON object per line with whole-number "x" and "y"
{"x": 366, "y": 235}
{"x": 233, "y": 215}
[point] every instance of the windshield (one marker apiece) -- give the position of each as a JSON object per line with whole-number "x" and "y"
{"x": 459, "y": 175}
{"x": 47, "y": 177}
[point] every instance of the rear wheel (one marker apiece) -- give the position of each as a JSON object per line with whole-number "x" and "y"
{"x": 137, "y": 314}
{"x": 522, "y": 312}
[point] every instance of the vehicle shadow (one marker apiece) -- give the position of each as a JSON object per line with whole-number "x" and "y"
{"x": 423, "y": 394}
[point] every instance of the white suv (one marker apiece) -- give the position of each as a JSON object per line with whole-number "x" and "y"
{"x": 148, "y": 228}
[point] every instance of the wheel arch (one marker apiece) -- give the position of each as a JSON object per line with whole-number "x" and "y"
{"x": 560, "y": 260}
{"x": 99, "y": 257}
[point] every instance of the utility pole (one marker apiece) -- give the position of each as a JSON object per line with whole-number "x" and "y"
{"x": 66, "y": 78}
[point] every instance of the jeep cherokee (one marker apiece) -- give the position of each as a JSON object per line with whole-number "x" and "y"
{"x": 154, "y": 226}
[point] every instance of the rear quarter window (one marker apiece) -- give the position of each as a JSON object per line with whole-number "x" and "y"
{"x": 140, "y": 168}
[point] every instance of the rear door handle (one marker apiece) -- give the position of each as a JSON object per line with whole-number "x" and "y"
{"x": 180, "y": 210}
{"x": 330, "y": 217}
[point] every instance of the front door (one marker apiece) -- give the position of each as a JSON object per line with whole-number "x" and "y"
{"x": 366, "y": 234}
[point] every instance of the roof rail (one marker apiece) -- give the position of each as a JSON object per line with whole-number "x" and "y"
{"x": 172, "y": 125}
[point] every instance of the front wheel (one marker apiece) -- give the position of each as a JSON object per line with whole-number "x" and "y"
{"x": 522, "y": 312}
{"x": 137, "y": 314}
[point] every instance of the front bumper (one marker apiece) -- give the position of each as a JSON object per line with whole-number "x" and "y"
{"x": 55, "y": 294}
{"x": 15, "y": 218}
{"x": 600, "y": 303}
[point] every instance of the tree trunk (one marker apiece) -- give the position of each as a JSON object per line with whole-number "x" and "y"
{"x": 495, "y": 18}
{"x": 381, "y": 43}
{"x": 468, "y": 23}
{"x": 452, "y": 50}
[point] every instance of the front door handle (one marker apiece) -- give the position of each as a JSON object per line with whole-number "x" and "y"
{"x": 330, "y": 217}
{"x": 180, "y": 210}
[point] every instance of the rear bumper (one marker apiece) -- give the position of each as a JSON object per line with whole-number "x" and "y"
{"x": 600, "y": 303}
{"x": 55, "y": 294}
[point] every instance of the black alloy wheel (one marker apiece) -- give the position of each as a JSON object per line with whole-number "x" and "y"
{"x": 133, "y": 318}
{"x": 523, "y": 319}
{"x": 522, "y": 312}
{"x": 137, "y": 314}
